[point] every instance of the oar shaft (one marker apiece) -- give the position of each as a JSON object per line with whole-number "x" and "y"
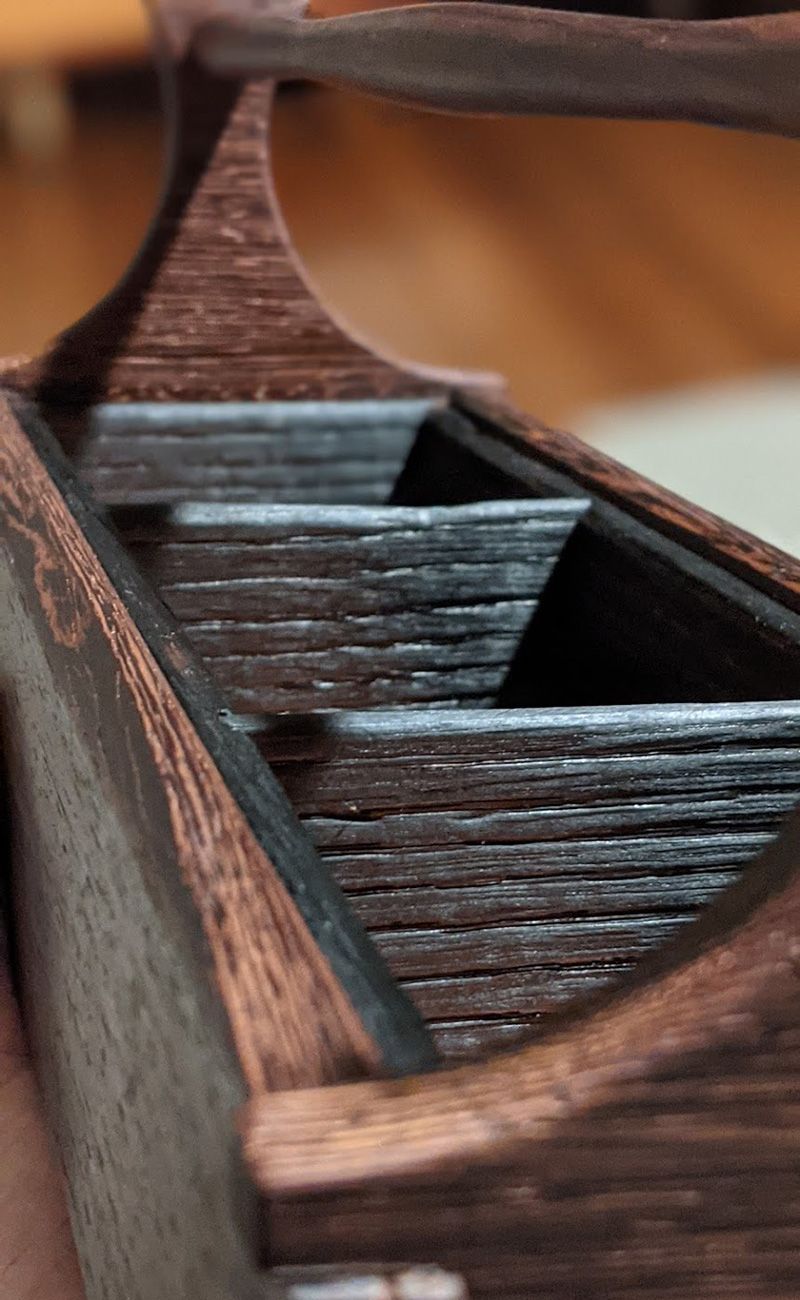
{"x": 503, "y": 59}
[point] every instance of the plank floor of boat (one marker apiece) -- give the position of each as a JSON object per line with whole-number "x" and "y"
{"x": 505, "y": 861}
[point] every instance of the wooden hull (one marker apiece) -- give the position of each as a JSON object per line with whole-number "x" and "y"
{"x": 406, "y": 894}
{"x": 184, "y": 949}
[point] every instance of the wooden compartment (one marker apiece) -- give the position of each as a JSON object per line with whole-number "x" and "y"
{"x": 508, "y": 863}
{"x": 531, "y": 739}
{"x": 318, "y": 607}
{"x": 629, "y": 616}
{"x": 505, "y": 860}
{"x": 511, "y": 860}
{"x": 536, "y": 717}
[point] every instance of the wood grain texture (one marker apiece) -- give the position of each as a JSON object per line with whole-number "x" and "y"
{"x": 389, "y": 1016}
{"x": 648, "y": 1148}
{"x": 657, "y": 1131}
{"x": 346, "y": 1227}
{"x": 324, "y": 452}
{"x": 630, "y": 615}
{"x": 214, "y": 305}
{"x": 186, "y": 954}
{"x": 507, "y": 863}
{"x": 320, "y": 607}
{"x": 237, "y": 891}
{"x": 764, "y": 566}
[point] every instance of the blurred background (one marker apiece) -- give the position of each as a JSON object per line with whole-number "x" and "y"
{"x": 637, "y": 283}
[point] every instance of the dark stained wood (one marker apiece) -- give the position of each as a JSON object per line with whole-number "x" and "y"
{"x": 182, "y": 945}
{"x": 676, "y": 631}
{"x": 76, "y": 601}
{"x": 168, "y": 964}
{"x": 761, "y": 565}
{"x": 507, "y": 863}
{"x": 320, "y": 607}
{"x": 249, "y": 785}
{"x": 215, "y": 305}
{"x": 30, "y": 1174}
{"x": 647, "y": 1149}
{"x": 342, "y": 453}
{"x": 628, "y": 615}
{"x": 254, "y": 790}
{"x": 514, "y": 59}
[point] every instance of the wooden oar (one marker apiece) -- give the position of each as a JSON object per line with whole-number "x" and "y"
{"x": 504, "y": 59}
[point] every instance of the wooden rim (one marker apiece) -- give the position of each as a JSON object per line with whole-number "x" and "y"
{"x": 737, "y": 964}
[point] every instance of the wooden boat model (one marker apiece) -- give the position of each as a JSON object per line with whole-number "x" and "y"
{"x": 395, "y": 783}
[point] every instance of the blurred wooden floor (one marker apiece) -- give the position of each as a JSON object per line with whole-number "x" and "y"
{"x": 587, "y": 261}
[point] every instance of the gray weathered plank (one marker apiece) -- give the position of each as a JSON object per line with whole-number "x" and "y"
{"x": 320, "y": 607}
{"x": 344, "y": 452}
{"x": 507, "y": 862}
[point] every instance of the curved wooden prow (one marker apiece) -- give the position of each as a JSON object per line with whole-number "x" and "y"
{"x": 215, "y": 305}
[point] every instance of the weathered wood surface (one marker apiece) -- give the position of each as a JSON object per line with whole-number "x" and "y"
{"x": 344, "y": 453}
{"x": 215, "y": 305}
{"x": 183, "y": 946}
{"x": 169, "y": 964}
{"x": 647, "y": 1149}
{"x": 312, "y": 607}
{"x": 541, "y": 449}
{"x": 507, "y": 863}
{"x": 514, "y": 59}
{"x": 629, "y": 616}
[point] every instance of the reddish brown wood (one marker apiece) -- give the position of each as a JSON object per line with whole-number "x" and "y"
{"x": 760, "y": 563}
{"x": 647, "y": 1149}
{"x": 215, "y": 305}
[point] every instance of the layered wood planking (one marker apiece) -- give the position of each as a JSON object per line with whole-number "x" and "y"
{"x": 318, "y": 607}
{"x": 343, "y": 453}
{"x": 184, "y": 946}
{"x": 627, "y": 616}
{"x": 504, "y": 862}
{"x": 508, "y": 862}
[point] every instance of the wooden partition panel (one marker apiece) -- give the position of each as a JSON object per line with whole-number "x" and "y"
{"x": 297, "y": 608}
{"x": 178, "y": 949}
{"x": 344, "y": 453}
